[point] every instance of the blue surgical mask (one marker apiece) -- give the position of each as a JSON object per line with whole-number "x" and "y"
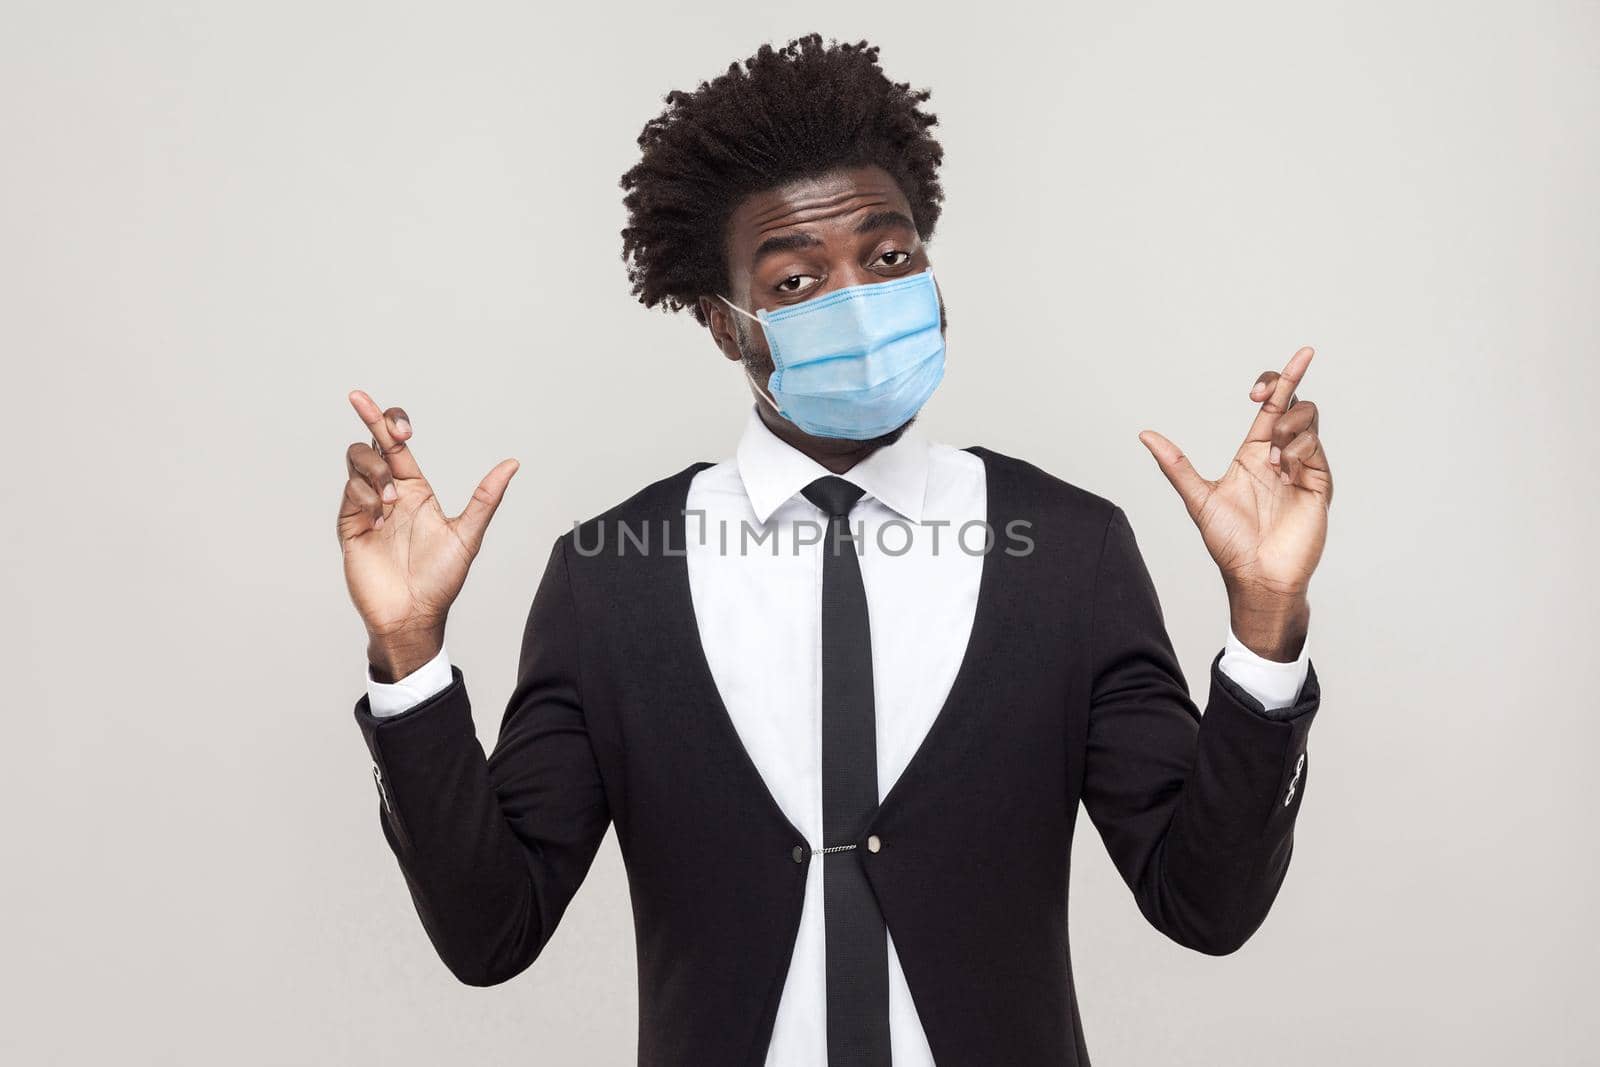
{"x": 858, "y": 362}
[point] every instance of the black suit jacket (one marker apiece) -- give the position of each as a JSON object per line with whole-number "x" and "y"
{"x": 1069, "y": 692}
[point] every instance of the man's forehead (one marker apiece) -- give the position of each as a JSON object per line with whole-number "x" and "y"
{"x": 837, "y": 195}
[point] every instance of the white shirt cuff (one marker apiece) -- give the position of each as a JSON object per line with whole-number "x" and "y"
{"x": 431, "y": 678}
{"x": 1276, "y": 685}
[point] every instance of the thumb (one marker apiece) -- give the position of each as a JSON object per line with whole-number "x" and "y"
{"x": 1179, "y": 471}
{"x": 474, "y": 519}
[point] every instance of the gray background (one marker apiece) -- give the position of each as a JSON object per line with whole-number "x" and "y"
{"x": 216, "y": 219}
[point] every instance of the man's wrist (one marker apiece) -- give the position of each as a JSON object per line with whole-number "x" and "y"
{"x": 394, "y": 656}
{"x": 1273, "y": 627}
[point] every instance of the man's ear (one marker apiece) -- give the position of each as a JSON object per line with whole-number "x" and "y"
{"x": 719, "y": 320}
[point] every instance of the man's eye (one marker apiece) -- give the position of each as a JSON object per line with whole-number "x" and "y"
{"x": 894, "y": 257}
{"x": 796, "y": 283}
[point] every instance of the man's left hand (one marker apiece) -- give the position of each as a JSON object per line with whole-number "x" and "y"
{"x": 1266, "y": 519}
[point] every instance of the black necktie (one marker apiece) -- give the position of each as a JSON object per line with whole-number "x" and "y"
{"x": 857, "y": 944}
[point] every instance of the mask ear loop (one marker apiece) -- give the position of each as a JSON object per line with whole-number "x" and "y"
{"x": 762, "y": 393}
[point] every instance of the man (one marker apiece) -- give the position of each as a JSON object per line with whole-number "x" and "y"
{"x": 843, "y": 753}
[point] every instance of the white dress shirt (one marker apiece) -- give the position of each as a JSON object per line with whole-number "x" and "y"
{"x": 755, "y": 554}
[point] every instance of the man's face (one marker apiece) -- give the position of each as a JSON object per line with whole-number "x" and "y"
{"x": 801, "y": 241}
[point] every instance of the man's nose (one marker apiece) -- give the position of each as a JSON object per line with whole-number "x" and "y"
{"x": 847, "y": 274}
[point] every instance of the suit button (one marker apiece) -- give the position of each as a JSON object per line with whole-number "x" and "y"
{"x": 799, "y": 854}
{"x": 873, "y": 844}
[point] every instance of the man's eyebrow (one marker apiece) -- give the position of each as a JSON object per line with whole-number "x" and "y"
{"x": 788, "y": 242}
{"x": 879, "y": 220}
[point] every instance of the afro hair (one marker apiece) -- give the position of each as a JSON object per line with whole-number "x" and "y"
{"x": 783, "y": 114}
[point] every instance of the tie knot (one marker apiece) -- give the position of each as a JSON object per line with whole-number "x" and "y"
{"x": 833, "y": 495}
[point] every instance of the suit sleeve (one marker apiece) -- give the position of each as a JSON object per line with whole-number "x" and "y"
{"x": 1197, "y": 812}
{"x": 493, "y": 849}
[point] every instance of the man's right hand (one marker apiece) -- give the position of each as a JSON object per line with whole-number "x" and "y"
{"x": 405, "y": 561}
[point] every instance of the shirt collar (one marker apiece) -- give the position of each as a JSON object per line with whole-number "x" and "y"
{"x": 773, "y": 471}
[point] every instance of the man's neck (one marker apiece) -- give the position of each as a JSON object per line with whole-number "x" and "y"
{"x": 837, "y": 454}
